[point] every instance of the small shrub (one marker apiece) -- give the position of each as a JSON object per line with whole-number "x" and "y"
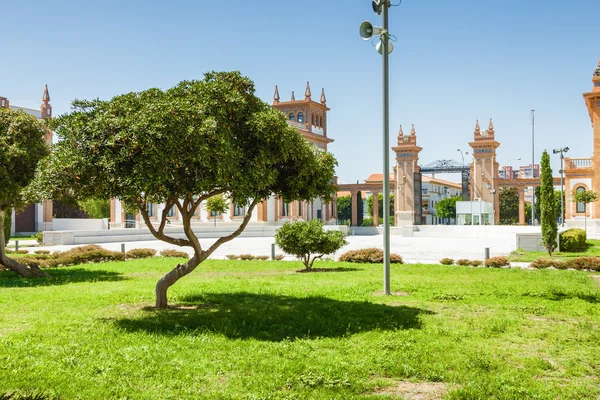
{"x": 231, "y": 256}
{"x": 367, "y": 222}
{"x": 573, "y": 240}
{"x": 542, "y": 263}
{"x": 463, "y": 261}
{"x": 497, "y": 262}
{"x": 446, "y": 261}
{"x": 475, "y": 263}
{"x": 42, "y": 252}
{"x": 279, "y": 257}
{"x": 39, "y": 237}
{"x": 174, "y": 253}
{"x": 261, "y": 258}
{"x": 17, "y": 251}
{"x": 85, "y": 249}
{"x": 140, "y": 253}
{"x": 246, "y": 257}
{"x": 579, "y": 263}
{"x": 370, "y": 255}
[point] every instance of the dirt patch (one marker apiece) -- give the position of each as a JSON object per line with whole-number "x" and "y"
{"x": 416, "y": 390}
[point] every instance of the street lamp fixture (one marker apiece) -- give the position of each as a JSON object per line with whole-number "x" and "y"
{"x": 562, "y": 194}
{"x": 384, "y": 47}
{"x": 462, "y": 155}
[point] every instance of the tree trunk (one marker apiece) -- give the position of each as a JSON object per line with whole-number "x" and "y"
{"x": 170, "y": 278}
{"x": 23, "y": 270}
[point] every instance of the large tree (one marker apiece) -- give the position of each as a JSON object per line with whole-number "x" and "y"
{"x": 344, "y": 209}
{"x": 547, "y": 200}
{"x": 21, "y": 148}
{"x": 180, "y": 147}
{"x": 509, "y": 206}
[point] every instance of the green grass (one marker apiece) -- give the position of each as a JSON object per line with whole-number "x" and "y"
{"x": 520, "y": 255}
{"x": 259, "y": 330}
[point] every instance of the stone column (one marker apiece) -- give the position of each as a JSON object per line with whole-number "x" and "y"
{"x": 354, "y": 220}
{"x": 375, "y": 208}
{"x": 521, "y": 191}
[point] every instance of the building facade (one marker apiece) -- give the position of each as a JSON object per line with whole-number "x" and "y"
{"x": 34, "y": 217}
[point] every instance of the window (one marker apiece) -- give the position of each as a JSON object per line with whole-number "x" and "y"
{"x": 3, "y": 103}
{"x": 171, "y": 212}
{"x": 292, "y": 117}
{"x": 300, "y": 118}
{"x": 581, "y": 204}
{"x": 47, "y": 111}
{"x": 299, "y": 208}
{"x": 285, "y": 209}
{"x": 597, "y": 84}
{"x": 238, "y": 211}
{"x": 151, "y": 210}
{"x": 214, "y": 213}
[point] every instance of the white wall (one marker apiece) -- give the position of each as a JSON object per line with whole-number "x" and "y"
{"x": 79, "y": 224}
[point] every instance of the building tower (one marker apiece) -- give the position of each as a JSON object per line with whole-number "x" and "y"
{"x": 484, "y": 168}
{"x": 407, "y": 156}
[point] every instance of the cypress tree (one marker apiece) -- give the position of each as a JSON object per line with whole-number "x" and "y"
{"x": 548, "y": 218}
{"x": 359, "y": 206}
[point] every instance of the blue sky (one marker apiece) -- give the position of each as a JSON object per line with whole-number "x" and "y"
{"x": 453, "y": 63}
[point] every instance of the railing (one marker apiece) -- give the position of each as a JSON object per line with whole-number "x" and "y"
{"x": 580, "y": 163}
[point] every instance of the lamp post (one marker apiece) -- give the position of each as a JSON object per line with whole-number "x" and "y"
{"x": 532, "y": 166}
{"x": 462, "y": 156}
{"x": 384, "y": 47}
{"x": 562, "y": 194}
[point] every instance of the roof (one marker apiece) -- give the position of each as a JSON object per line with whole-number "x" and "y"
{"x": 438, "y": 181}
{"x": 378, "y": 178}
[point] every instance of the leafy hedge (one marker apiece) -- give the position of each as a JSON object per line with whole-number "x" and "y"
{"x": 371, "y": 255}
{"x": 140, "y": 253}
{"x": 573, "y": 240}
{"x": 75, "y": 256}
{"x": 174, "y": 253}
{"x": 579, "y": 263}
{"x": 446, "y": 261}
{"x": 497, "y": 262}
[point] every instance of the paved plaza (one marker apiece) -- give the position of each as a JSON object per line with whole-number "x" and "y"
{"x": 412, "y": 249}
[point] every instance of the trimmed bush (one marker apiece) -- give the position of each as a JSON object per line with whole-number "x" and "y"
{"x": 75, "y": 256}
{"x": 497, "y": 262}
{"x": 573, "y": 240}
{"x": 367, "y": 222}
{"x": 579, "y": 263}
{"x": 463, "y": 262}
{"x": 231, "y": 256}
{"x": 174, "y": 253}
{"x": 16, "y": 251}
{"x": 261, "y": 258}
{"x": 39, "y": 237}
{"x": 246, "y": 257}
{"x": 140, "y": 253}
{"x": 42, "y": 252}
{"x": 371, "y": 255}
{"x": 475, "y": 263}
{"x": 542, "y": 263}
{"x": 446, "y": 261}
{"x": 279, "y": 257}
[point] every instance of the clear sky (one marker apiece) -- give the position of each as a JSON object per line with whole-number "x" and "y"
{"x": 454, "y": 62}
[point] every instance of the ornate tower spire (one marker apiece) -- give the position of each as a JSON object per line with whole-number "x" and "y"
{"x": 412, "y": 130}
{"x": 491, "y": 128}
{"x": 46, "y": 108}
{"x": 323, "y": 99}
{"x": 307, "y": 93}
{"x": 276, "y": 95}
{"x": 46, "y": 95}
{"x": 293, "y": 97}
{"x": 400, "y": 132}
{"x": 477, "y": 128}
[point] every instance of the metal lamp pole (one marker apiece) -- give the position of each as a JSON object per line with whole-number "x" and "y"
{"x": 367, "y": 31}
{"x": 562, "y": 195}
{"x": 532, "y": 167}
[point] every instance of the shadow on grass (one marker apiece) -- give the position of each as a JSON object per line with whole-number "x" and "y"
{"x": 558, "y": 295}
{"x": 272, "y": 317}
{"x": 59, "y": 276}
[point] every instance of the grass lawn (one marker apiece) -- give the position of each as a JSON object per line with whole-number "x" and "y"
{"x": 593, "y": 249}
{"x": 258, "y": 330}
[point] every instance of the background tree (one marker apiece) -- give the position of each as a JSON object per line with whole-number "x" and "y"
{"x": 96, "y": 208}
{"x": 21, "y": 148}
{"x": 360, "y": 209}
{"x": 344, "y": 209}
{"x": 180, "y": 147}
{"x": 216, "y": 205}
{"x": 547, "y": 200}
{"x": 380, "y": 205}
{"x": 7, "y": 225}
{"x": 509, "y": 206}
{"x": 308, "y": 240}
{"x": 446, "y": 208}
{"x": 585, "y": 197}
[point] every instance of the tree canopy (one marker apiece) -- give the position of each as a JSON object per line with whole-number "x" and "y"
{"x": 179, "y": 147}
{"x": 344, "y": 209}
{"x": 446, "y": 208}
{"x": 380, "y": 205}
{"x": 21, "y": 149}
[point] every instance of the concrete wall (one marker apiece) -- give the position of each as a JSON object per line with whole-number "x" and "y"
{"x": 79, "y": 224}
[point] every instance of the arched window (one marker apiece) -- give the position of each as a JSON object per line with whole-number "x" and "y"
{"x": 292, "y": 117}
{"x": 581, "y": 204}
{"x": 300, "y": 118}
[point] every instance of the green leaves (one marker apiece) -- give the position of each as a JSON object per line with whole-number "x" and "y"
{"x": 548, "y": 217}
